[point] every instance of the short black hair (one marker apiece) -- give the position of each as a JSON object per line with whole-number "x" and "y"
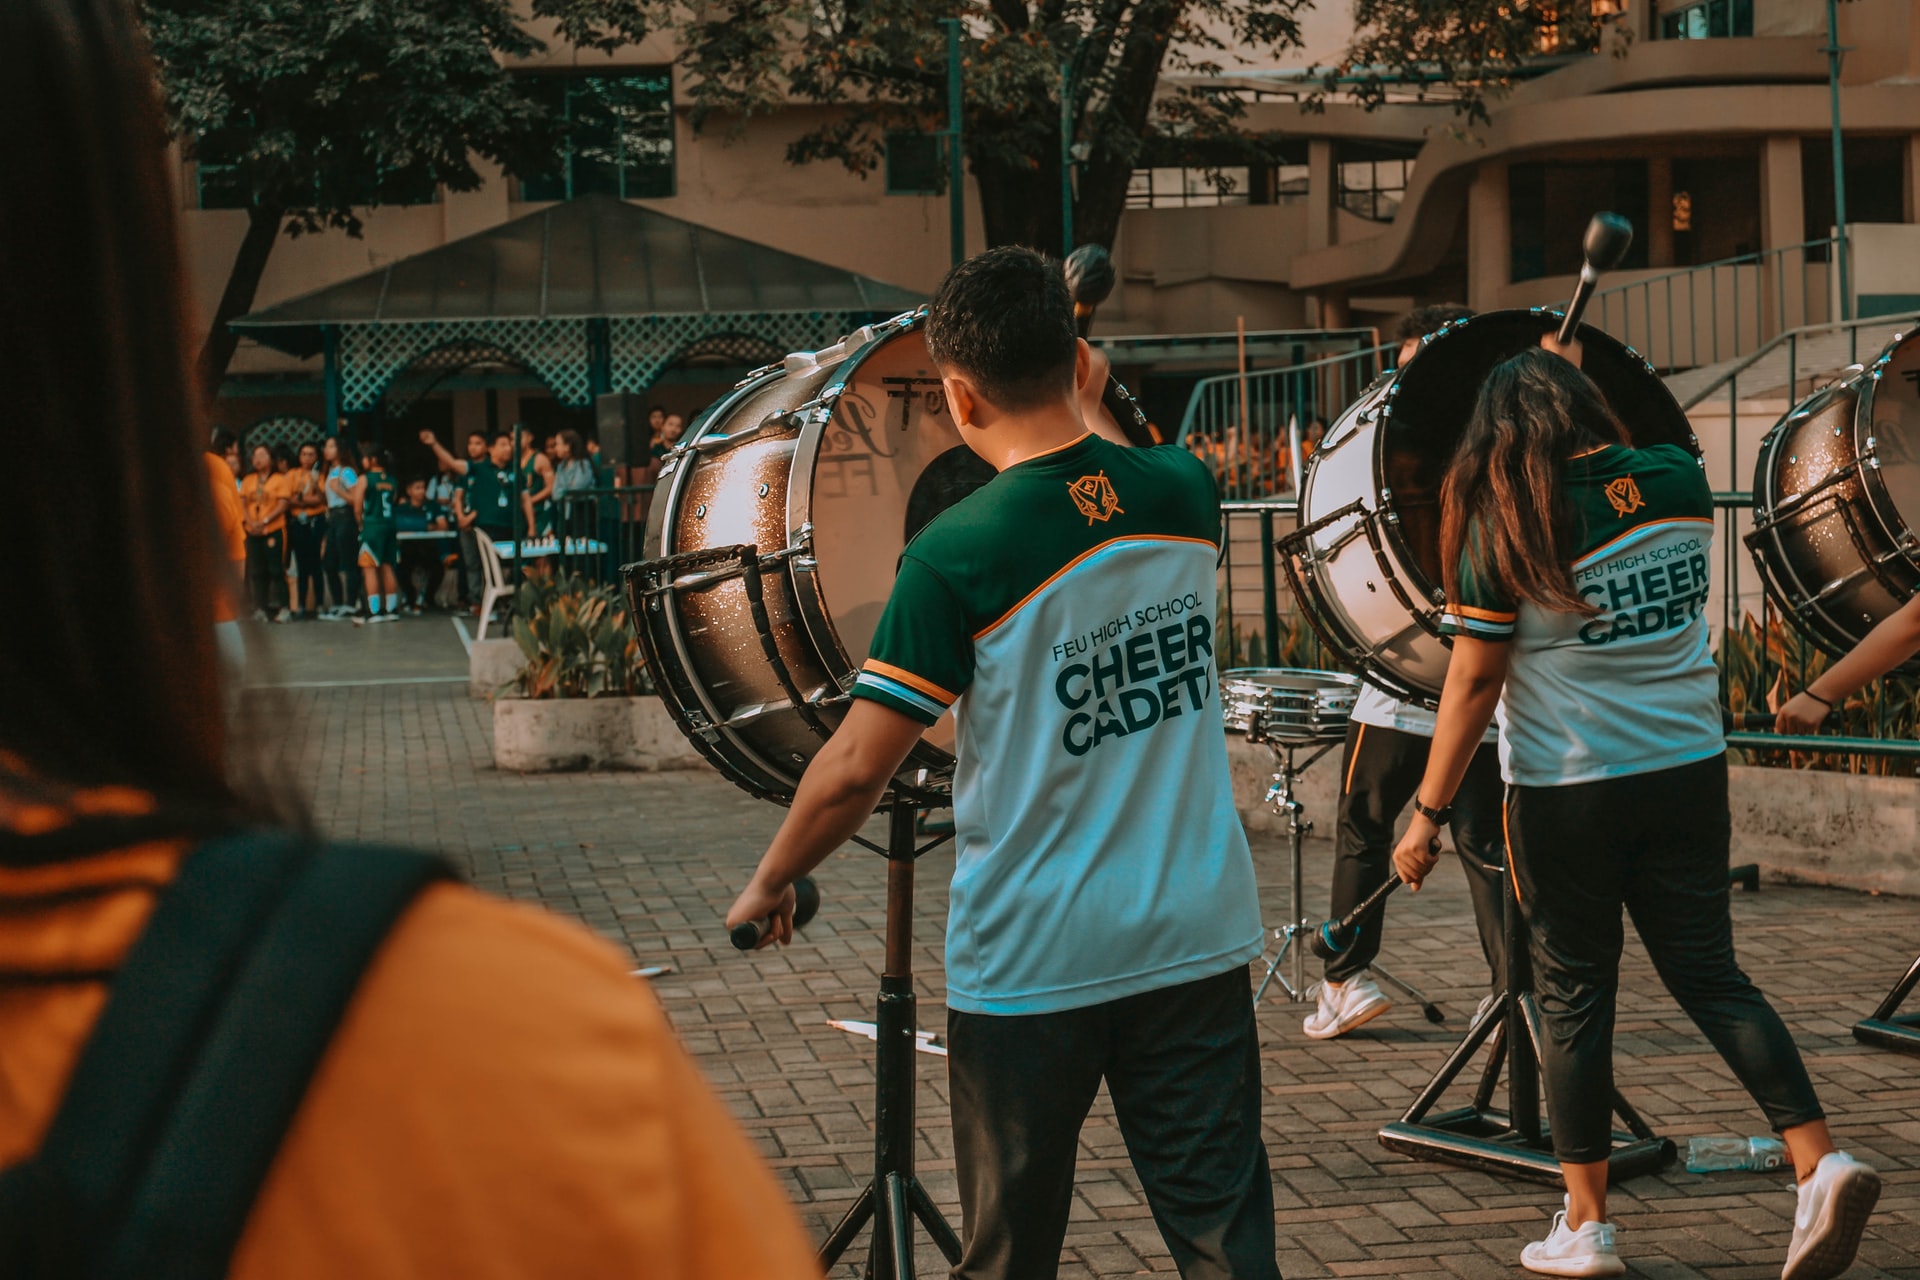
{"x": 499, "y": 434}
{"x": 1421, "y": 321}
{"x": 1005, "y": 320}
{"x": 371, "y": 452}
{"x": 221, "y": 441}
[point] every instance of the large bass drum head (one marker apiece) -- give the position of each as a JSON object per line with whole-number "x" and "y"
{"x": 1433, "y": 399}
{"x": 1890, "y": 413}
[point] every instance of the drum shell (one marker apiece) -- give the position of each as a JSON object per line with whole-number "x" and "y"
{"x": 1828, "y": 539}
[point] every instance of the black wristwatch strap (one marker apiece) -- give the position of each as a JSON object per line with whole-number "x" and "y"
{"x": 1439, "y": 817}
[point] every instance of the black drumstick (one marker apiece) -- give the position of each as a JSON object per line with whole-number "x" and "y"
{"x": 1608, "y": 238}
{"x": 1335, "y": 938}
{"x": 806, "y": 904}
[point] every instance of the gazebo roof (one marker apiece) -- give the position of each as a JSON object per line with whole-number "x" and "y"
{"x": 592, "y": 256}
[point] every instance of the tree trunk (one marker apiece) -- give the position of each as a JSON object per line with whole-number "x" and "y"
{"x": 1020, "y": 204}
{"x": 243, "y": 280}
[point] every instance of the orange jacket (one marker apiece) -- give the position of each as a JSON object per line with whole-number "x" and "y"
{"x": 501, "y": 1099}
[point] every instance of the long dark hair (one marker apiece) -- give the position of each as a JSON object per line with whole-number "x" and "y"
{"x": 1507, "y": 482}
{"x": 112, "y": 676}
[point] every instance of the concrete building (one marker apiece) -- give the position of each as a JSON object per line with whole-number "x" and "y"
{"x": 1705, "y": 122}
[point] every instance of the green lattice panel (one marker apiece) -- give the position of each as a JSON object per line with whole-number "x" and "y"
{"x": 645, "y": 346}
{"x": 287, "y": 429}
{"x": 371, "y": 356}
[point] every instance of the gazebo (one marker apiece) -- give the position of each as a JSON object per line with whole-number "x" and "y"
{"x": 591, "y": 296}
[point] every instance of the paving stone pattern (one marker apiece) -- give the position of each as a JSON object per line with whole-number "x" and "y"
{"x": 651, "y": 862}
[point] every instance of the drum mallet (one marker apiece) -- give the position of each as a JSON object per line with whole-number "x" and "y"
{"x": 1335, "y": 938}
{"x": 806, "y": 904}
{"x": 1608, "y": 238}
{"x": 1089, "y": 271}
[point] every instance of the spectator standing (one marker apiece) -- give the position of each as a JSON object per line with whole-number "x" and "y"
{"x": 307, "y": 530}
{"x": 230, "y": 521}
{"x": 343, "y": 532}
{"x": 263, "y": 504}
{"x": 670, "y": 432}
{"x": 573, "y": 473}
{"x": 536, "y": 486}
{"x": 377, "y": 496}
{"x": 463, "y": 474}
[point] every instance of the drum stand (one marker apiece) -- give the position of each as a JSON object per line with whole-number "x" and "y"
{"x": 895, "y": 1194}
{"x": 1514, "y": 1141}
{"x": 1886, "y": 1026}
{"x": 1280, "y": 799}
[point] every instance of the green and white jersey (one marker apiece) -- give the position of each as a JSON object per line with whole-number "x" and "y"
{"x": 1632, "y": 688}
{"x": 1065, "y": 612}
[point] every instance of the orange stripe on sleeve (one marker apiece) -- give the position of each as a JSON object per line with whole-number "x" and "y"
{"x": 1075, "y": 563}
{"x": 1489, "y": 615}
{"x": 907, "y": 678}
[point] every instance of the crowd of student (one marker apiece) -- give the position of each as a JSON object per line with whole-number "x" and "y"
{"x": 325, "y": 524}
{"x": 1256, "y": 465}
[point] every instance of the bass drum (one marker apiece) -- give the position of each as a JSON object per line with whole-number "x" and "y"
{"x": 1365, "y": 561}
{"x": 1836, "y": 498}
{"x": 772, "y": 543}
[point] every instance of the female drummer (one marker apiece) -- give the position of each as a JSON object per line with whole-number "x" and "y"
{"x": 1577, "y": 580}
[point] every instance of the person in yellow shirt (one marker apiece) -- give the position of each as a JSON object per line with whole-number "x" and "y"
{"x": 496, "y": 1098}
{"x": 264, "y": 502}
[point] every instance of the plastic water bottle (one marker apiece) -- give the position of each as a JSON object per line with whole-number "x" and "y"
{"x": 1712, "y": 1155}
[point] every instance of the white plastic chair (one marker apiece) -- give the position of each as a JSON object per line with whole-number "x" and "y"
{"x": 495, "y": 576}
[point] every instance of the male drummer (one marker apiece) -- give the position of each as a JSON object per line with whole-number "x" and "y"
{"x": 1103, "y": 910}
{"x": 1381, "y": 768}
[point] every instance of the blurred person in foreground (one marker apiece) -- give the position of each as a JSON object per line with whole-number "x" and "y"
{"x": 497, "y": 1098}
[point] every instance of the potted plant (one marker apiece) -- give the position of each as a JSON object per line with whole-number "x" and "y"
{"x": 583, "y": 699}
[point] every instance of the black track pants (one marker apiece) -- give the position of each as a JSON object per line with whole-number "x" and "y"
{"x": 1380, "y": 771}
{"x": 1657, "y": 844}
{"x": 1183, "y": 1067}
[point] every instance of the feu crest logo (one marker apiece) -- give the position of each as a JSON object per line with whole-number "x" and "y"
{"x": 1624, "y": 494}
{"x": 1094, "y": 497}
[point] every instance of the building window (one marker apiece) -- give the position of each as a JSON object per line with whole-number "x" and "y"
{"x": 619, "y": 136}
{"x": 1187, "y": 188}
{"x": 1711, "y": 20}
{"x": 1549, "y": 205}
{"x": 1373, "y": 189}
{"x": 220, "y": 182}
{"x": 916, "y": 164}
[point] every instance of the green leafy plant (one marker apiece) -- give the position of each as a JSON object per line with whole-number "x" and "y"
{"x": 576, "y": 640}
{"x": 1762, "y": 667}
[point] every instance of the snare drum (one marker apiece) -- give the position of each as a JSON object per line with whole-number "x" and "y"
{"x": 1365, "y": 562}
{"x": 1836, "y": 501}
{"x": 1287, "y": 704}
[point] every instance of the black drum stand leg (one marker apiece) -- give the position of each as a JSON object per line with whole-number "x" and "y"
{"x": 895, "y": 1197}
{"x": 1514, "y": 1142}
{"x": 1887, "y": 1026}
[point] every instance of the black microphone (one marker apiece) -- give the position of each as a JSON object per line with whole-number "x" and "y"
{"x": 1608, "y": 238}
{"x": 806, "y": 905}
{"x": 1335, "y": 938}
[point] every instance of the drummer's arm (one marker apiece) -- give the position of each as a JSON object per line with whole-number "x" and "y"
{"x": 1889, "y": 644}
{"x": 1475, "y": 676}
{"x": 837, "y": 795}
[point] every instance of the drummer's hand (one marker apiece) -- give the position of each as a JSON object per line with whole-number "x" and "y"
{"x": 1571, "y": 350}
{"x": 1417, "y": 851}
{"x": 758, "y": 901}
{"x": 1802, "y": 714}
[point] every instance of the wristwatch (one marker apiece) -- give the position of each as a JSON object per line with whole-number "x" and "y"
{"x": 1438, "y": 817}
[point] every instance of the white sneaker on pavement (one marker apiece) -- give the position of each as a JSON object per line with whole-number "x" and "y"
{"x": 1567, "y": 1252}
{"x": 1344, "y": 1006}
{"x": 1487, "y": 1003}
{"x": 1834, "y": 1205}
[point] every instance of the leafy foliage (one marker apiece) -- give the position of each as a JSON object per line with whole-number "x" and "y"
{"x": 1763, "y": 668}
{"x": 576, "y": 640}
{"x": 1469, "y": 50}
{"x": 883, "y": 63}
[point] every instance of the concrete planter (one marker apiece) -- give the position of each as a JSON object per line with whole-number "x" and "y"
{"x": 490, "y": 664}
{"x": 548, "y": 735}
{"x": 1837, "y": 829}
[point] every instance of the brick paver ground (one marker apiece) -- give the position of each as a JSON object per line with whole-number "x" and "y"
{"x": 651, "y": 861}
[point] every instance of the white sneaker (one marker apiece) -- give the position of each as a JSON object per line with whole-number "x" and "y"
{"x": 285, "y": 615}
{"x": 1344, "y": 1006}
{"x": 1834, "y": 1205}
{"x": 1486, "y": 1006}
{"x": 1565, "y": 1252}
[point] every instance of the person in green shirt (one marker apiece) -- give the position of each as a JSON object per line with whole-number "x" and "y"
{"x": 378, "y": 497}
{"x": 1578, "y": 573}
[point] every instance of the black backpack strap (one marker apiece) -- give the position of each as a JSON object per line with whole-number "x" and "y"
{"x": 142, "y": 1048}
{"x": 197, "y": 1065}
{"x": 279, "y": 1016}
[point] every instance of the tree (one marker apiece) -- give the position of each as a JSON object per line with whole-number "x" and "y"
{"x": 317, "y": 108}
{"x": 883, "y": 63}
{"x": 1471, "y": 51}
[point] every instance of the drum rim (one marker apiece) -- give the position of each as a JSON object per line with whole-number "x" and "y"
{"x": 1331, "y": 679}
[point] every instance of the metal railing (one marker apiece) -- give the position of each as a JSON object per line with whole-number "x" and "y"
{"x": 601, "y": 530}
{"x": 1719, "y": 310}
{"x": 1238, "y": 423}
